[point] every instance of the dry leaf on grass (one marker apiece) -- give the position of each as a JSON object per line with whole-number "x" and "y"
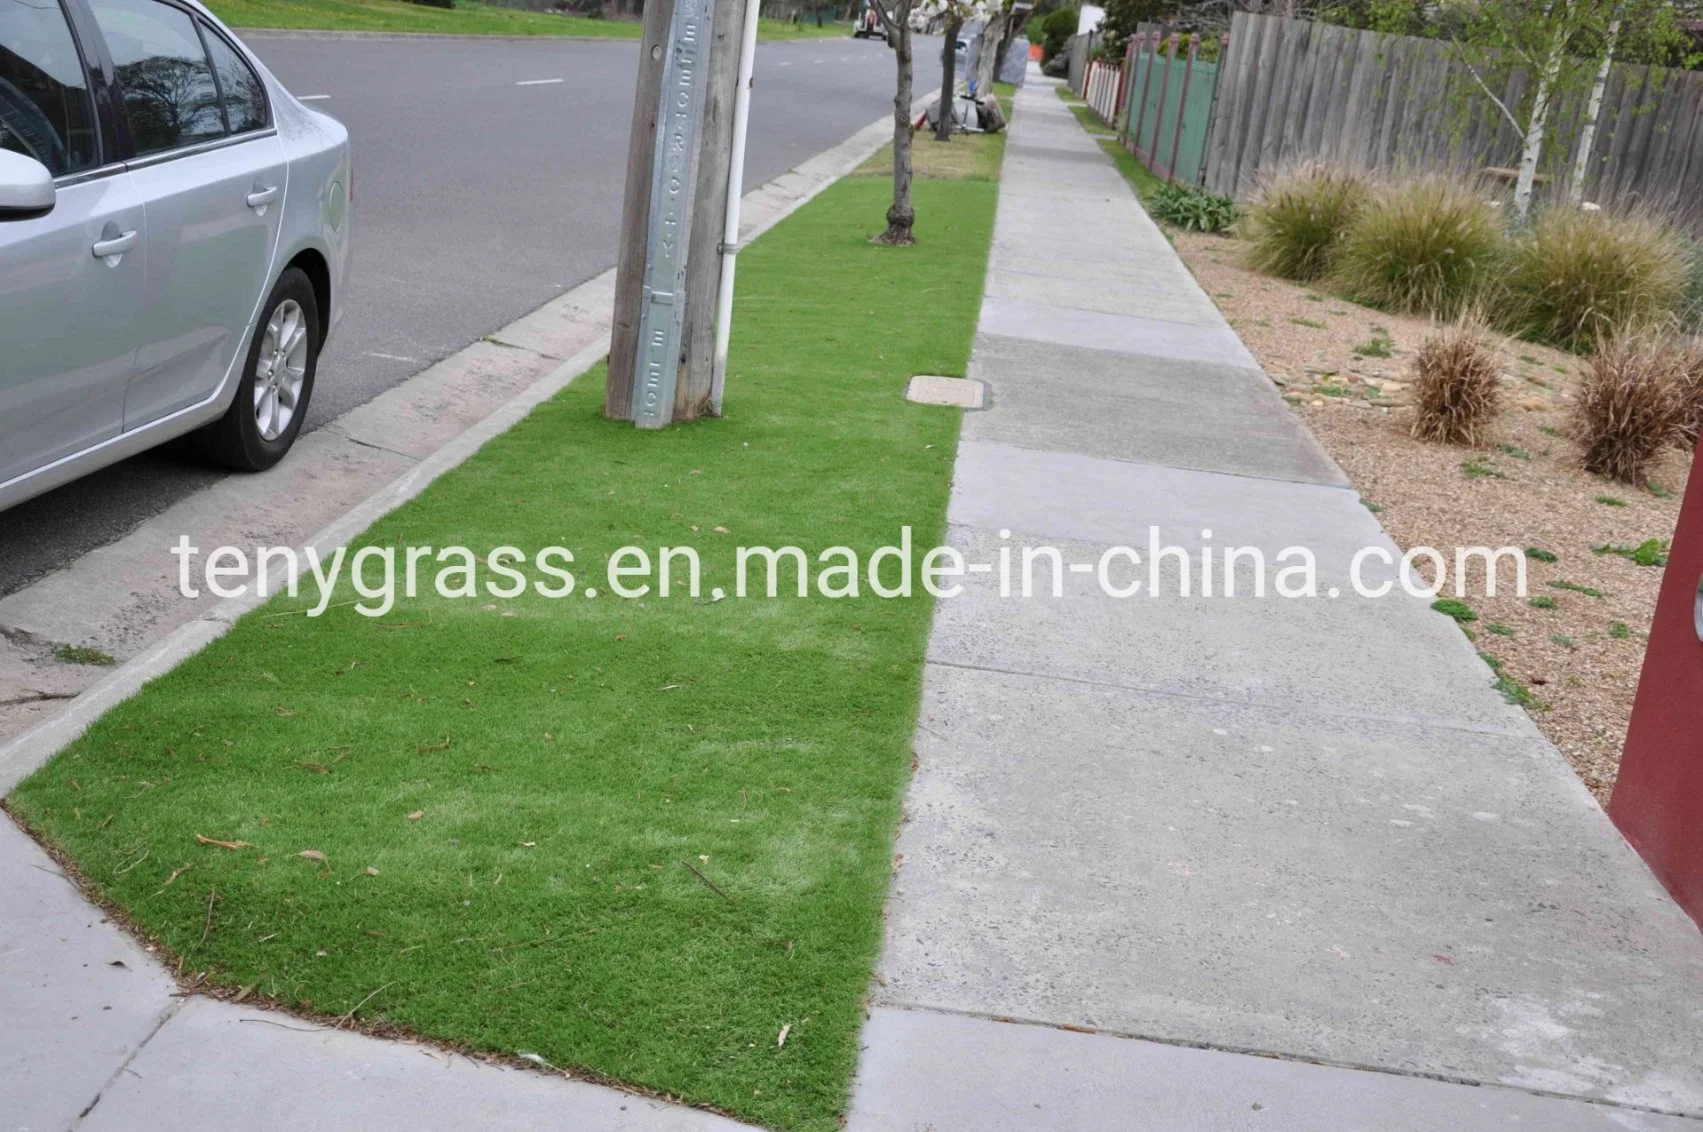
{"x": 416, "y": 815}
{"x": 312, "y": 855}
{"x": 224, "y": 844}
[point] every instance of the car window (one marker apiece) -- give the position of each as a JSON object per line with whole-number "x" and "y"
{"x": 45, "y": 109}
{"x": 168, "y": 84}
{"x": 245, "y": 97}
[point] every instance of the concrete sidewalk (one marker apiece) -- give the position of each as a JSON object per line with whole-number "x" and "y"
{"x": 1152, "y": 837}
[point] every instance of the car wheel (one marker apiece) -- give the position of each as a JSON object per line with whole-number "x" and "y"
{"x": 272, "y": 397}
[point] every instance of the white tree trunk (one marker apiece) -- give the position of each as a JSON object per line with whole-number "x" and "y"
{"x": 1532, "y": 150}
{"x": 1588, "y": 134}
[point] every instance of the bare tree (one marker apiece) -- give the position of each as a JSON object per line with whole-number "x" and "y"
{"x": 901, "y": 217}
{"x": 948, "y": 73}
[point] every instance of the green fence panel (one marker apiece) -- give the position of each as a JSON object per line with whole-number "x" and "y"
{"x": 1165, "y": 98}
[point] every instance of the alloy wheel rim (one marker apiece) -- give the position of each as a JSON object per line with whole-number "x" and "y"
{"x": 281, "y": 370}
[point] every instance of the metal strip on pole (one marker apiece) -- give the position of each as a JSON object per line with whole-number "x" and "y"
{"x": 735, "y": 188}
{"x": 679, "y": 129}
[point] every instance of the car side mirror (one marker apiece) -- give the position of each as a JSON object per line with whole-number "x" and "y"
{"x": 26, "y": 187}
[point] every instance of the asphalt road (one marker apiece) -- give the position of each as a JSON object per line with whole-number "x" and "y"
{"x": 477, "y": 199}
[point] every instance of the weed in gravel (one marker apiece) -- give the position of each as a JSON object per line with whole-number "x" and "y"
{"x": 1499, "y": 629}
{"x": 1575, "y": 587}
{"x": 1454, "y": 607}
{"x": 1544, "y": 603}
{"x": 1381, "y": 345}
{"x": 1538, "y": 554}
{"x": 1650, "y": 552}
{"x": 1512, "y": 690}
{"x": 1611, "y": 501}
{"x": 1478, "y": 468}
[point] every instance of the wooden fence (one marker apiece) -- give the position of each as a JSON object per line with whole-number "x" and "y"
{"x": 1292, "y": 90}
{"x": 1102, "y": 84}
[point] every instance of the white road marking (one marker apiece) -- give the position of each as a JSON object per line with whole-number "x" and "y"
{"x": 311, "y": 97}
{"x": 539, "y": 82}
{"x": 388, "y": 357}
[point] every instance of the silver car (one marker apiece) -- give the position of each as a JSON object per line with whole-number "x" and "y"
{"x": 174, "y": 232}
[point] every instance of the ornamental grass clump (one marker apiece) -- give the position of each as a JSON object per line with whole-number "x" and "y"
{"x": 1457, "y": 385}
{"x": 1302, "y": 213}
{"x": 1421, "y": 246}
{"x": 1578, "y": 276}
{"x": 1633, "y": 404}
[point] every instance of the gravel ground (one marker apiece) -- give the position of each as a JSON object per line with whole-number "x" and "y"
{"x": 1580, "y": 659}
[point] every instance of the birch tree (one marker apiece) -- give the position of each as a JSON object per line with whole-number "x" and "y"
{"x": 1566, "y": 48}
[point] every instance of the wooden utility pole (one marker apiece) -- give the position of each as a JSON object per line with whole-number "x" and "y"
{"x": 635, "y": 212}
{"x": 719, "y": 53}
{"x": 703, "y": 257}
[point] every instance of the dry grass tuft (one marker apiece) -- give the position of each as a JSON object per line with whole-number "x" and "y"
{"x": 1632, "y": 405}
{"x": 1422, "y": 246}
{"x": 1457, "y": 385}
{"x": 1578, "y": 276}
{"x": 1300, "y": 218}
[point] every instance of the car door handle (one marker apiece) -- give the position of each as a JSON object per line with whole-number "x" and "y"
{"x": 114, "y": 245}
{"x": 262, "y": 197}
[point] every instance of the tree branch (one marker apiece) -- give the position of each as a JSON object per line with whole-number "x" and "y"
{"x": 1500, "y": 105}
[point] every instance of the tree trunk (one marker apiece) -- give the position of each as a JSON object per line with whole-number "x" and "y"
{"x": 948, "y": 80}
{"x": 1588, "y": 134}
{"x": 901, "y": 216}
{"x": 987, "y": 55}
{"x": 1532, "y": 150}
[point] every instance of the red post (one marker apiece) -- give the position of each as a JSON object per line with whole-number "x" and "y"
{"x": 1123, "y": 83}
{"x": 1146, "y": 89}
{"x": 1183, "y": 104}
{"x": 1658, "y": 797}
{"x": 1159, "y": 115}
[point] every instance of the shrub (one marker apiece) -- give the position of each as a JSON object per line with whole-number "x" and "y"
{"x": 1420, "y": 246}
{"x": 1457, "y": 386}
{"x": 1056, "y": 31}
{"x": 1631, "y": 406}
{"x": 1578, "y": 276}
{"x": 1300, "y": 217}
{"x": 1191, "y": 208}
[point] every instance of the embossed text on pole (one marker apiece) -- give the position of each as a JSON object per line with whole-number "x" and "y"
{"x": 678, "y": 131}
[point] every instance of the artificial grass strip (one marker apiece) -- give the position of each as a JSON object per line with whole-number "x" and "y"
{"x": 564, "y": 758}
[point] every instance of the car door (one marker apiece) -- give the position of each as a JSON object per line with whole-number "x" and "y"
{"x": 70, "y": 281}
{"x": 211, "y": 173}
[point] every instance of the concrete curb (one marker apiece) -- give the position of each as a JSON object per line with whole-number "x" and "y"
{"x": 768, "y": 205}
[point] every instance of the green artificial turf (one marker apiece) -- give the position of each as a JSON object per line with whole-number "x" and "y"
{"x": 468, "y": 17}
{"x": 507, "y": 793}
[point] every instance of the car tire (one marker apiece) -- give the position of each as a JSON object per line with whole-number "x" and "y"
{"x": 276, "y": 383}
